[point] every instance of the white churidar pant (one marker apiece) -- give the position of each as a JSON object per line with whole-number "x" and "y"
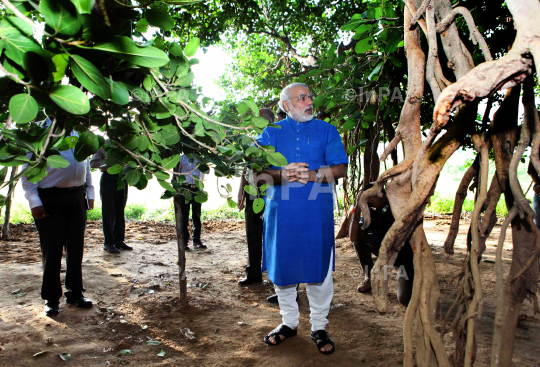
{"x": 319, "y": 295}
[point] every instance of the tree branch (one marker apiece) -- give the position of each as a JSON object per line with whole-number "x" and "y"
{"x": 475, "y": 35}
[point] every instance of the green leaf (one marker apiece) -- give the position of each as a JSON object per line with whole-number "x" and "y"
{"x": 376, "y": 70}
{"x": 159, "y": 18}
{"x": 242, "y": 107}
{"x": 60, "y": 15}
{"x": 260, "y": 122}
{"x": 125, "y": 352}
{"x": 17, "y": 45}
{"x": 171, "y": 162}
{"x": 124, "y": 48}
{"x": 161, "y": 354}
{"x": 83, "y": 6}
{"x": 202, "y": 198}
{"x": 186, "y": 80}
{"x": 3, "y": 173}
{"x": 167, "y": 186}
{"x": 363, "y": 46}
{"x": 258, "y": 205}
{"x": 87, "y": 145}
{"x": 231, "y": 203}
{"x": 116, "y": 169}
{"x": 314, "y": 72}
{"x": 277, "y": 159}
{"x": 68, "y": 142}
{"x": 23, "y": 108}
{"x": 192, "y": 46}
{"x": 153, "y": 342}
{"x": 57, "y": 161}
{"x": 14, "y": 25}
{"x": 170, "y": 137}
{"x": 264, "y": 187}
{"x": 253, "y": 106}
{"x": 70, "y": 98}
{"x": 133, "y": 177}
{"x": 252, "y": 190}
{"x": 119, "y": 92}
{"x": 251, "y": 149}
{"x": 319, "y": 100}
{"x": 36, "y": 173}
{"x": 60, "y": 61}
{"x": 90, "y": 77}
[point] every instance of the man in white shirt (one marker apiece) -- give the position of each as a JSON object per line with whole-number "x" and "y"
{"x": 189, "y": 165}
{"x": 59, "y": 203}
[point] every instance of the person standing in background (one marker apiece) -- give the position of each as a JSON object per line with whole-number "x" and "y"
{"x": 59, "y": 203}
{"x": 113, "y": 205}
{"x": 189, "y": 165}
{"x": 254, "y": 221}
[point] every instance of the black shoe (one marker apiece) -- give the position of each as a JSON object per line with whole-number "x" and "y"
{"x": 123, "y": 246}
{"x": 188, "y": 248}
{"x": 111, "y": 248}
{"x": 273, "y": 298}
{"x": 79, "y": 301}
{"x": 248, "y": 281}
{"x": 52, "y": 308}
{"x": 199, "y": 245}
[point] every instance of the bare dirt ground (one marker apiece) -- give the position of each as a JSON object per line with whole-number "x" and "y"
{"x": 135, "y": 295}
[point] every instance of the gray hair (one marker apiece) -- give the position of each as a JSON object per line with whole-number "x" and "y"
{"x": 286, "y": 93}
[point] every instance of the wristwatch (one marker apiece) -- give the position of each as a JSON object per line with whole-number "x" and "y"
{"x": 318, "y": 176}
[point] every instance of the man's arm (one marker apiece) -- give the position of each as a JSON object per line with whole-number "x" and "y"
{"x": 89, "y": 186}
{"x": 98, "y": 158}
{"x": 243, "y": 182}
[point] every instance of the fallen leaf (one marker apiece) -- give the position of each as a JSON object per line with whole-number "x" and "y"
{"x": 65, "y": 356}
{"x": 161, "y": 354}
{"x": 39, "y": 354}
{"x": 150, "y": 291}
{"x": 153, "y": 342}
{"x": 144, "y": 326}
{"x": 16, "y": 291}
{"x": 125, "y": 352}
{"x": 21, "y": 294}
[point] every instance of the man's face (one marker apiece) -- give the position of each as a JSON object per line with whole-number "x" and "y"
{"x": 300, "y": 105}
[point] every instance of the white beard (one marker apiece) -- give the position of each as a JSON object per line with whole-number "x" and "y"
{"x": 300, "y": 116}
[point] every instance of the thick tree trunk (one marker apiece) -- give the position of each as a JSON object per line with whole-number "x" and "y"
{"x": 9, "y": 199}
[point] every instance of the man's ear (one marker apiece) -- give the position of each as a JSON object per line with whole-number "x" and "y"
{"x": 286, "y": 106}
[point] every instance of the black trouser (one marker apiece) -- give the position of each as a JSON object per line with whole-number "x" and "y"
{"x": 64, "y": 227}
{"x": 405, "y": 258}
{"x": 254, "y": 234}
{"x": 113, "y": 204}
{"x": 195, "y": 214}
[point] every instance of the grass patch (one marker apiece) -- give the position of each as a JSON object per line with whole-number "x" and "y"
{"x": 444, "y": 205}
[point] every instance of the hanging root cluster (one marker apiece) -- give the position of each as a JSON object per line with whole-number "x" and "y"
{"x": 410, "y": 183}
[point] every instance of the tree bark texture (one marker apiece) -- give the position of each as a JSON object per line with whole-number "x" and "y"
{"x": 9, "y": 200}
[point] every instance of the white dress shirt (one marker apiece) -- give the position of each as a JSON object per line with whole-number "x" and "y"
{"x": 189, "y": 165}
{"x": 76, "y": 174}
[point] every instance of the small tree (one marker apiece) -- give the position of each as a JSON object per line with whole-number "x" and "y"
{"x": 85, "y": 70}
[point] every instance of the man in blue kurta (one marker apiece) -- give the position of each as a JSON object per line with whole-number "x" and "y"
{"x": 298, "y": 221}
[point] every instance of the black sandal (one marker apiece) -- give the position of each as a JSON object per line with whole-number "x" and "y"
{"x": 324, "y": 338}
{"x": 284, "y": 330}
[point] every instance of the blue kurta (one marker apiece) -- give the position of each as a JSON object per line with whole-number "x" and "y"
{"x": 299, "y": 219}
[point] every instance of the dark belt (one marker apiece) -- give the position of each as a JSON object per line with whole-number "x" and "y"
{"x": 62, "y": 189}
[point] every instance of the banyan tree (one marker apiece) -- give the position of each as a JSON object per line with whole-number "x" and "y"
{"x": 410, "y": 183}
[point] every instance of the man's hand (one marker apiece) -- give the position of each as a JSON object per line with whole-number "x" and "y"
{"x": 240, "y": 203}
{"x": 296, "y": 171}
{"x": 39, "y": 212}
{"x": 90, "y": 204}
{"x": 536, "y": 189}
